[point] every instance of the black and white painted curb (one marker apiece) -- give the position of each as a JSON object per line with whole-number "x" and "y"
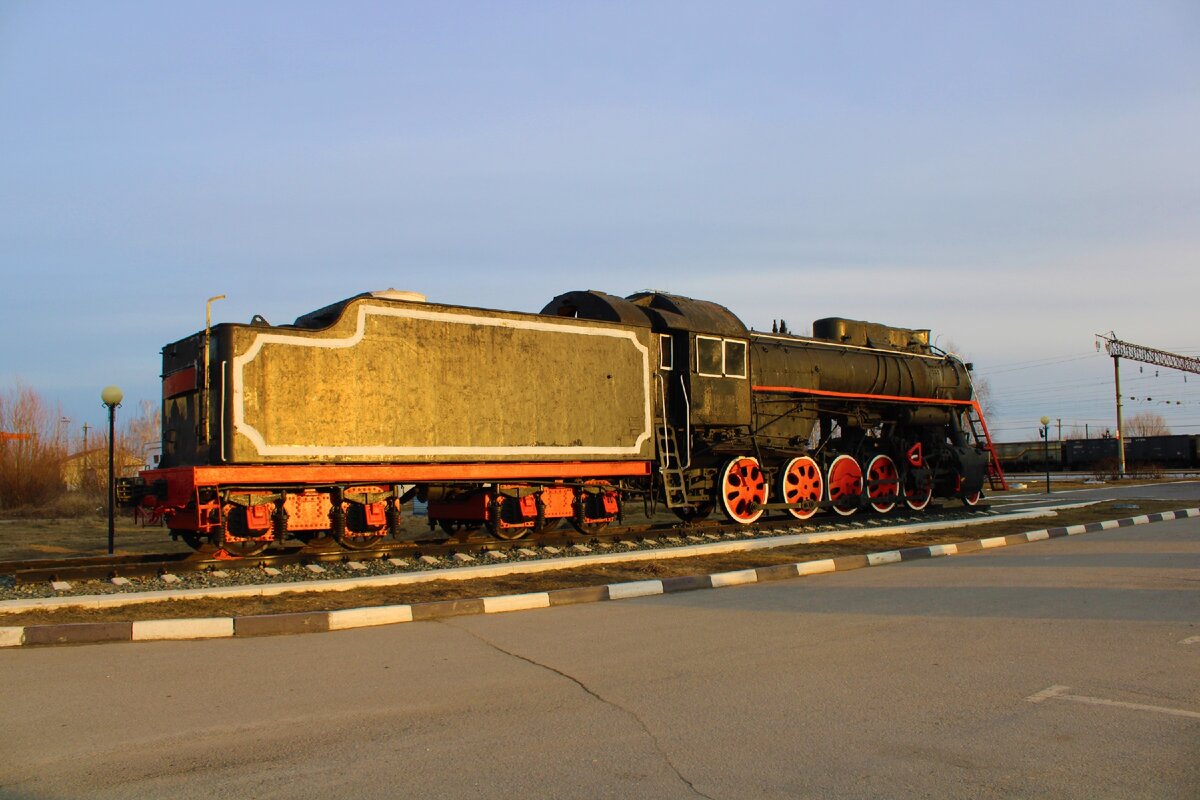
{"x": 314, "y": 621}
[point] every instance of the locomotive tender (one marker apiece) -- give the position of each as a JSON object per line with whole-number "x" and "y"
{"x": 322, "y": 429}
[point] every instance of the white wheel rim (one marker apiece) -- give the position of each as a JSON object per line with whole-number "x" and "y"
{"x": 829, "y": 485}
{"x": 883, "y": 508}
{"x": 733, "y": 497}
{"x": 809, "y": 466}
{"x": 919, "y": 505}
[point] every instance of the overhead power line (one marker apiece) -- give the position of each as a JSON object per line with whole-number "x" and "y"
{"x": 1149, "y": 355}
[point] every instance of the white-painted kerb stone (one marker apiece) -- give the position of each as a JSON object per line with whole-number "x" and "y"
{"x": 156, "y": 629}
{"x": 515, "y": 602}
{"x": 346, "y": 618}
{"x": 620, "y": 591}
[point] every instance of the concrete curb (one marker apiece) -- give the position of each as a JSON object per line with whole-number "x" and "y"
{"x": 314, "y": 621}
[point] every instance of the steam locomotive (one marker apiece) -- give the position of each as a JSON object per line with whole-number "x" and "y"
{"x": 515, "y": 422}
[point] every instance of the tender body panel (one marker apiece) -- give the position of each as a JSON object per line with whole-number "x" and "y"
{"x": 414, "y": 382}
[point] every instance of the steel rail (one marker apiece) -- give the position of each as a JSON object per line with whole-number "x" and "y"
{"x": 129, "y": 566}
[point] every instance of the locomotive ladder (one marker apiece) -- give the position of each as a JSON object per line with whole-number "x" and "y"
{"x": 671, "y": 463}
{"x": 670, "y": 466}
{"x": 983, "y": 439}
{"x": 672, "y": 469}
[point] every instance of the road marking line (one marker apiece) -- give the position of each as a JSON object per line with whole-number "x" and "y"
{"x": 1046, "y": 694}
{"x": 1191, "y": 640}
{"x": 1057, "y": 693}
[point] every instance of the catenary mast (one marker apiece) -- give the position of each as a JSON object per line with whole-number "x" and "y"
{"x": 1147, "y": 355}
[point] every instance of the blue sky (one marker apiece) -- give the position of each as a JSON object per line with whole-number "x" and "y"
{"x": 1015, "y": 176}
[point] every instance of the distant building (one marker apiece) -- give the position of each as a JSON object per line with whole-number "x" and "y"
{"x": 89, "y": 468}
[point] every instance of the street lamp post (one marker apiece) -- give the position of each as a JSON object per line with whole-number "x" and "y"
{"x": 111, "y": 396}
{"x": 1046, "y": 449}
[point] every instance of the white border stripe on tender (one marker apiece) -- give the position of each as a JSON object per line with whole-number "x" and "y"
{"x": 205, "y": 628}
{"x": 735, "y": 578}
{"x": 620, "y": 591}
{"x": 515, "y": 602}
{"x": 256, "y": 438}
{"x": 12, "y": 637}
{"x": 346, "y": 618}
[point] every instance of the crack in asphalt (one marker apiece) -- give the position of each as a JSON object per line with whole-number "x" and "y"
{"x": 629, "y": 713}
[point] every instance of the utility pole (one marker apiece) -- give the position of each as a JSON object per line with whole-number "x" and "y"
{"x": 204, "y": 398}
{"x": 87, "y": 480}
{"x": 1147, "y": 355}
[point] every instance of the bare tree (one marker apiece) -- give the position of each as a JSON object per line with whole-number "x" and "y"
{"x": 141, "y": 433}
{"x": 1147, "y": 423}
{"x": 32, "y": 449}
{"x": 983, "y": 387}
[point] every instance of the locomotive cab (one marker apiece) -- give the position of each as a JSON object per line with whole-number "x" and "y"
{"x": 710, "y": 356}
{"x": 703, "y": 393}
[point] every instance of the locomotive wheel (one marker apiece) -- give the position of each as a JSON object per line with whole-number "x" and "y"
{"x": 550, "y": 525}
{"x": 240, "y": 546}
{"x": 597, "y": 504}
{"x": 359, "y": 541}
{"x": 693, "y": 513}
{"x": 497, "y": 513}
{"x": 845, "y": 484}
{"x": 243, "y": 548}
{"x": 589, "y": 528}
{"x": 314, "y": 539}
{"x": 193, "y": 539}
{"x": 883, "y": 480}
{"x": 510, "y": 534}
{"x": 801, "y": 480}
{"x": 970, "y": 500}
{"x": 743, "y": 490}
{"x": 918, "y": 490}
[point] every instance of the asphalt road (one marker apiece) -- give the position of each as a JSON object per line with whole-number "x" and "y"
{"x": 1065, "y": 668}
{"x": 1186, "y": 492}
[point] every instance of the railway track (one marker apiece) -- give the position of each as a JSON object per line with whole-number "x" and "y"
{"x": 81, "y": 568}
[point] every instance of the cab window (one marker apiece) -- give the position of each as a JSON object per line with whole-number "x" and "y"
{"x": 720, "y": 358}
{"x": 735, "y": 359}
{"x": 709, "y": 356}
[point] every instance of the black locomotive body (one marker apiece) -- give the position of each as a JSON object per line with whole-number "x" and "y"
{"x": 860, "y": 414}
{"x": 323, "y": 428}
